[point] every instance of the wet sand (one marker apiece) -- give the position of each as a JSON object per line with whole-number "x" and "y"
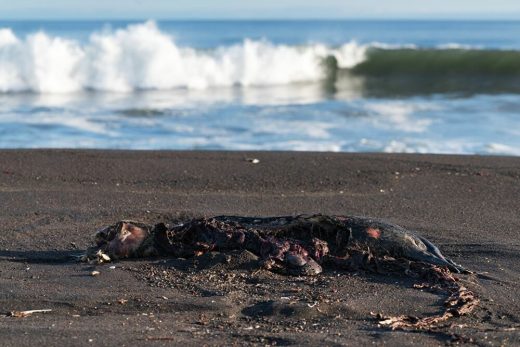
{"x": 51, "y": 202}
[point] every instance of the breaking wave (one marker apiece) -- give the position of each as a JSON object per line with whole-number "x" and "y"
{"x": 141, "y": 56}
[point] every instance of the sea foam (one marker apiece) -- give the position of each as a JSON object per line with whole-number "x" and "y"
{"x": 141, "y": 56}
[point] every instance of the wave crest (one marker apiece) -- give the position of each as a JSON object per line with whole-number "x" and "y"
{"x": 143, "y": 57}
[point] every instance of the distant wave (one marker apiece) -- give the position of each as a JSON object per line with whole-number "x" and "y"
{"x": 452, "y": 61}
{"x": 457, "y": 70}
{"x": 143, "y": 57}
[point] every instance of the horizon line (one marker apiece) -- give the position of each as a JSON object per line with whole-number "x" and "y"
{"x": 425, "y": 19}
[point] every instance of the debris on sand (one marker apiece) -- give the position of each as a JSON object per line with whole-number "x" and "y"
{"x": 301, "y": 246}
{"x": 22, "y": 314}
{"x": 461, "y": 301}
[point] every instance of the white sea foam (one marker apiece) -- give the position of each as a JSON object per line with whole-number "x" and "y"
{"x": 456, "y": 46}
{"x": 501, "y": 149}
{"x": 311, "y": 129}
{"x": 7, "y": 37}
{"x": 400, "y": 115}
{"x": 412, "y": 144}
{"x": 143, "y": 57}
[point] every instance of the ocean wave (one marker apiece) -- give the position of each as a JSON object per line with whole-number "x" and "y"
{"x": 142, "y": 57}
{"x": 455, "y": 60}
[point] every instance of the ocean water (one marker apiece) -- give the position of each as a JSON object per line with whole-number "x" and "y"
{"x": 364, "y": 86}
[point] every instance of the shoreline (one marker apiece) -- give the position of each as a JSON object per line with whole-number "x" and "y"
{"x": 51, "y": 202}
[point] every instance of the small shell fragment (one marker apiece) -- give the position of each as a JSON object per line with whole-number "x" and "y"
{"x": 102, "y": 257}
{"x": 96, "y": 258}
{"x": 95, "y": 273}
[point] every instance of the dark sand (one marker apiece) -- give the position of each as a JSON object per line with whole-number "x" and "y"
{"x": 51, "y": 202}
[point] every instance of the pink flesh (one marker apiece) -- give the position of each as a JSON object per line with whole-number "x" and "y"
{"x": 374, "y": 233}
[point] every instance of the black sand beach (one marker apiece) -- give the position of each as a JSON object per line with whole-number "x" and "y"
{"x": 52, "y": 201}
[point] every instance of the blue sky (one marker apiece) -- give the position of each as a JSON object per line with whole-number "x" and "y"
{"x": 259, "y": 9}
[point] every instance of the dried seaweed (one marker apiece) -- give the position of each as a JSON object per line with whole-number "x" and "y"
{"x": 460, "y": 301}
